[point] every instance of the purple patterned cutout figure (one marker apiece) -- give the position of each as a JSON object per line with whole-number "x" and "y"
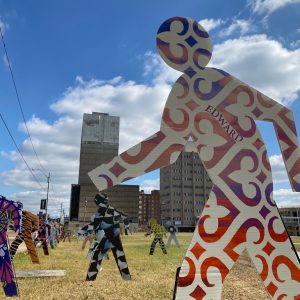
{"x": 7, "y": 276}
{"x": 217, "y": 112}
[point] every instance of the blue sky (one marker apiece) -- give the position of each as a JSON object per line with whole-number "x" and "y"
{"x": 71, "y": 57}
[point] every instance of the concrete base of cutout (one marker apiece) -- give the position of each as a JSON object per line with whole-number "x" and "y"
{"x": 40, "y": 273}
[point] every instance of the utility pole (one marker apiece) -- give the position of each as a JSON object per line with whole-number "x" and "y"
{"x": 61, "y": 213}
{"x": 48, "y": 181}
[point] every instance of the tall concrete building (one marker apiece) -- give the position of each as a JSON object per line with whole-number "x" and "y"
{"x": 291, "y": 219}
{"x": 99, "y": 144}
{"x": 184, "y": 189}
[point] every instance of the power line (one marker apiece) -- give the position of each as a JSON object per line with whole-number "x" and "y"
{"x": 54, "y": 197}
{"x": 11, "y": 136}
{"x": 18, "y": 98}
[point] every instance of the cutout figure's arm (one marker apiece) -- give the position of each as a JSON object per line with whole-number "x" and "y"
{"x": 246, "y": 102}
{"x": 284, "y": 124}
{"x": 86, "y": 230}
{"x": 148, "y": 233}
{"x": 153, "y": 153}
{"x": 121, "y": 215}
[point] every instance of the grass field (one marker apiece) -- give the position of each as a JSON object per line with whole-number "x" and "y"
{"x": 296, "y": 240}
{"x": 152, "y": 276}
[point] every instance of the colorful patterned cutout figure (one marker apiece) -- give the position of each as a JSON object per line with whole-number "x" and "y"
{"x": 218, "y": 112}
{"x": 105, "y": 225}
{"x": 159, "y": 231}
{"x": 30, "y": 223}
{"x": 172, "y": 234}
{"x": 7, "y": 276}
{"x": 43, "y": 235}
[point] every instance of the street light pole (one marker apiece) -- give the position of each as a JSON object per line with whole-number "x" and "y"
{"x": 48, "y": 181}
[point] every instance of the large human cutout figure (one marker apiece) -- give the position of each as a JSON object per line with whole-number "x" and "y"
{"x": 218, "y": 112}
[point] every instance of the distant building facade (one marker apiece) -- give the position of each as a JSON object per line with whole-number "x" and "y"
{"x": 149, "y": 207}
{"x": 126, "y": 198}
{"x": 100, "y": 144}
{"x": 291, "y": 219}
{"x": 184, "y": 188}
{"x": 74, "y": 203}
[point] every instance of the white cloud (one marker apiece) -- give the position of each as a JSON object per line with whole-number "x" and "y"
{"x": 286, "y": 198}
{"x": 279, "y": 172}
{"x": 4, "y": 26}
{"x": 31, "y": 201}
{"x": 295, "y": 44}
{"x": 5, "y": 61}
{"x": 263, "y": 63}
{"x": 241, "y": 26}
{"x": 149, "y": 184}
{"x": 269, "y": 6}
{"x": 210, "y": 24}
{"x": 138, "y": 105}
{"x": 158, "y": 71}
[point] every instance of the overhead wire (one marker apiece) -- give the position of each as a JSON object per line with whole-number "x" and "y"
{"x": 23, "y": 158}
{"x": 54, "y": 197}
{"x": 18, "y": 98}
{"x": 24, "y": 120}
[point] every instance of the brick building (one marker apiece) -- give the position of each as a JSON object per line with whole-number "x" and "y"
{"x": 149, "y": 207}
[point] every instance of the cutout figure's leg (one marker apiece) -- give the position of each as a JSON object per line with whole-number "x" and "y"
{"x": 176, "y": 241}
{"x": 84, "y": 242}
{"x": 202, "y": 274}
{"x": 153, "y": 244}
{"x": 16, "y": 243}
{"x": 45, "y": 246}
{"x": 153, "y": 153}
{"x": 173, "y": 237}
{"x": 31, "y": 247}
{"x": 277, "y": 265}
{"x": 162, "y": 245}
{"x": 52, "y": 243}
{"x": 120, "y": 258}
{"x": 7, "y": 274}
{"x": 96, "y": 260}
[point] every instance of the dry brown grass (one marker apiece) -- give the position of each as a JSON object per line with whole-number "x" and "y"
{"x": 152, "y": 276}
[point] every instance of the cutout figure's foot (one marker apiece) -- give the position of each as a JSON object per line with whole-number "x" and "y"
{"x": 126, "y": 276}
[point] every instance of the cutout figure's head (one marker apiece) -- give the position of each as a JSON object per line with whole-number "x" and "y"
{"x": 101, "y": 198}
{"x": 184, "y": 45}
{"x": 152, "y": 221}
{"x": 168, "y": 223}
